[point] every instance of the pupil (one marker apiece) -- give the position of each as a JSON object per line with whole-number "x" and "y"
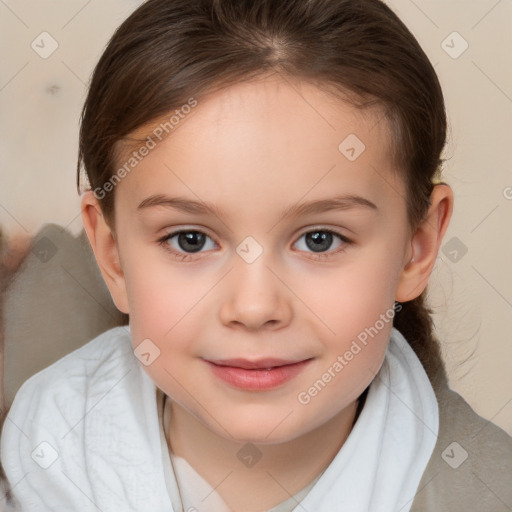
{"x": 321, "y": 240}
{"x": 191, "y": 241}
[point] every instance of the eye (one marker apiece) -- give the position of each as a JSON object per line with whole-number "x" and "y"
{"x": 321, "y": 240}
{"x": 183, "y": 243}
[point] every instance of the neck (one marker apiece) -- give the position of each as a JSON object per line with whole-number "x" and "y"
{"x": 282, "y": 471}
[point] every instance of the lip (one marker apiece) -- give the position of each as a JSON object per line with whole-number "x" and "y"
{"x": 258, "y": 375}
{"x": 259, "y": 364}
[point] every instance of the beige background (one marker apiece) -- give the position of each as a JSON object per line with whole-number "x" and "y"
{"x": 40, "y": 102}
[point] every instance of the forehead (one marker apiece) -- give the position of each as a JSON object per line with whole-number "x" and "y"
{"x": 273, "y": 133}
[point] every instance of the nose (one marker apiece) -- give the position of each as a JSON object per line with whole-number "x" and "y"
{"x": 255, "y": 297}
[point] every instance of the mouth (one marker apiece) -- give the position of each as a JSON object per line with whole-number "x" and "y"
{"x": 258, "y": 375}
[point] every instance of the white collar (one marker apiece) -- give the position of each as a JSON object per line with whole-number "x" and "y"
{"x": 380, "y": 465}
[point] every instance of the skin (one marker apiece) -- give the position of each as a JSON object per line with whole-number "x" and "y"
{"x": 252, "y": 150}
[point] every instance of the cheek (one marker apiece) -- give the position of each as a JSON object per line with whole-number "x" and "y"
{"x": 355, "y": 306}
{"x": 163, "y": 307}
{"x": 159, "y": 294}
{"x": 351, "y": 297}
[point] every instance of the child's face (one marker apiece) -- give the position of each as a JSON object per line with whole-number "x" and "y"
{"x": 253, "y": 151}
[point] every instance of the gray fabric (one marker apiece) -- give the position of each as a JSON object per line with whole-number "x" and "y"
{"x": 483, "y": 481}
{"x": 56, "y": 302}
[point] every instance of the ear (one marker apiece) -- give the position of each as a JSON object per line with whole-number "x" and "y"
{"x": 104, "y": 245}
{"x": 425, "y": 245}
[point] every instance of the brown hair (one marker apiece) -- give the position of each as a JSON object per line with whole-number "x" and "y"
{"x": 168, "y": 51}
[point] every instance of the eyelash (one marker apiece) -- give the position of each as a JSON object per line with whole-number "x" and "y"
{"x": 182, "y": 256}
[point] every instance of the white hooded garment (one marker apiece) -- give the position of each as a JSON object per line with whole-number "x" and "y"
{"x": 85, "y": 435}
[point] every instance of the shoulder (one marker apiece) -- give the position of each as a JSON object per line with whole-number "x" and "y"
{"x": 86, "y": 426}
{"x": 69, "y": 381}
{"x": 55, "y": 407}
{"x": 80, "y": 368}
{"x": 471, "y": 465}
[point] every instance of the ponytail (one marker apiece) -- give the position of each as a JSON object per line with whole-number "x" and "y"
{"x": 415, "y": 323}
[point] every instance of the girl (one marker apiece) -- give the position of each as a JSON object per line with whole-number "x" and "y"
{"x": 264, "y": 203}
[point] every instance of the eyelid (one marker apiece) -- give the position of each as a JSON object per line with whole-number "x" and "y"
{"x": 168, "y": 232}
{"x": 206, "y": 231}
{"x": 326, "y": 228}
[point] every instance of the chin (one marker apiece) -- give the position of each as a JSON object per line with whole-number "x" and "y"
{"x": 258, "y": 430}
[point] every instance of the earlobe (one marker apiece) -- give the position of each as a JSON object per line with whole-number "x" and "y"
{"x": 105, "y": 248}
{"x": 425, "y": 244}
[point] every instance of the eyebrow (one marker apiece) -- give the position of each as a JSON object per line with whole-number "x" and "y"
{"x": 344, "y": 202}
